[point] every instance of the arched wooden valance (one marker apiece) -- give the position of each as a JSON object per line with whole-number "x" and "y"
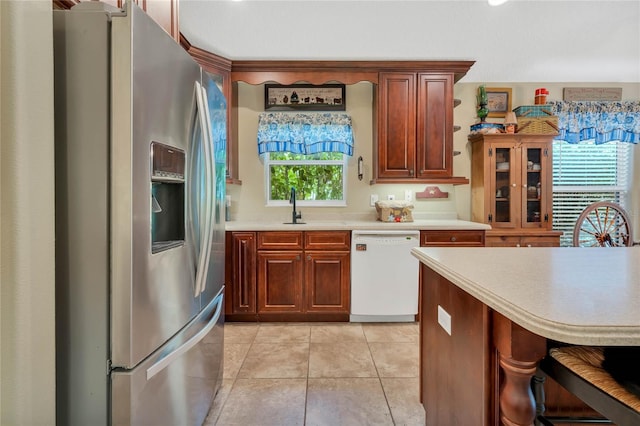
{"x": 346, "y": 72}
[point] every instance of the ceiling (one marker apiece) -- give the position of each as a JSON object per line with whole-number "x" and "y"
{"x": 520, "y": 41}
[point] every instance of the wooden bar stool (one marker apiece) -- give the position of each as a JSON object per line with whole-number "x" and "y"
{"x": 579, "y": 370}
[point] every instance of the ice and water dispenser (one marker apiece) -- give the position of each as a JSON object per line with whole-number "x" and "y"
{"x": 167, "y": 197}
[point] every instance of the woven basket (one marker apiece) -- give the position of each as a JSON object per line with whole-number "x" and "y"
{"x": 538, "y": 126}
{"x": 398, "y": 211}
{"x": 539, "y": 121}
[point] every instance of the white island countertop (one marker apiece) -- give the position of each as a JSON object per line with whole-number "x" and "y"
{"x": 350, "y": 225}
{"x": 584, "y": 296}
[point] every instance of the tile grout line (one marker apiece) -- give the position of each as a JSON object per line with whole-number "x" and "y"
{"x": 306, "y": 389}
{"x": 379, "y": 378}
{"x": 235, "y": 378}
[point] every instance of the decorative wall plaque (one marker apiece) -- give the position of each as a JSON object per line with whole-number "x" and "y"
{"x": 592, "y": 94}
{"x": 326, "y": 97}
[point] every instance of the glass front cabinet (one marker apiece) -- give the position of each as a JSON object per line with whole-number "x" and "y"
{"x": 511, "y": 188}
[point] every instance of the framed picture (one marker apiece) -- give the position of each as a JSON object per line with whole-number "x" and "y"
{"x": 308, "y": 97}
{"x": 499, "y": 101}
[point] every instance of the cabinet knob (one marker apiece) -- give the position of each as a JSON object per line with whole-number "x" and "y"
{"x": 308, "y": 257}
{"x": 453, "y": 239}
{"x": 411, "y": 172}
{"x": 513, "y": 184}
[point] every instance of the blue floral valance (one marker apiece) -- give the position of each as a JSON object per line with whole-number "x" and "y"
{"x": 305, "y": 133}
{"x": 601, "y": 121}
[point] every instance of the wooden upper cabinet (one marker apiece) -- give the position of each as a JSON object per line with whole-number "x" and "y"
{"x": 396, "y": 125}
{"x": 434, "y": 136}
{"x": 415, "y": 128}
{"x": 164, "y": 12}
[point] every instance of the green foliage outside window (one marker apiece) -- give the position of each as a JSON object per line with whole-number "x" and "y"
{"x": 315, "y": 177}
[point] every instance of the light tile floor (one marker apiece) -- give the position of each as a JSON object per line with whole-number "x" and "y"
{"x": 334, "y": 374}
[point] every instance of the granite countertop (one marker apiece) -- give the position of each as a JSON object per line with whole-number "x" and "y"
{"x": 351, "y": 224}
{"x": 584, "y": 296}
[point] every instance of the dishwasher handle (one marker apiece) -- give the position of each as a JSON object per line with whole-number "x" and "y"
{"x": 386, "y": 234}
{"x": 384, "y": 238}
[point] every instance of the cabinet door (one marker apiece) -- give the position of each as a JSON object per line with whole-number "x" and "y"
{"x": 280, "y": 281}
{"x": 397, "y": 125}
{"x": 327, "y": 279}
{"x": 165, "y": 13}
{"x": 504, "y": 189}
{"x": 241, "y": 272}
{"x": 536, "y": 186}
{"x": 434, "y": 136}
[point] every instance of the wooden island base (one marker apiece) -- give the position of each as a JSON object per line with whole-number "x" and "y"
{"x": 481, "y": 373}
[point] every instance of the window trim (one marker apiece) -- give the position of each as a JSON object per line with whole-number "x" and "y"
{"x": 266, "y": 157}
{"x": 620, "y": 191}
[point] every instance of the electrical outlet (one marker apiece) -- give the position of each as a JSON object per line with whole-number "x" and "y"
{"x": 374, "y": 198}
{"x": 408, "y": 195}
{"x": 391, "y": 197}
{"x": 444, "y": 319}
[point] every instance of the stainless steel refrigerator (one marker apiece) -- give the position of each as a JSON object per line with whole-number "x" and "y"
{"x": 140, "y": 185}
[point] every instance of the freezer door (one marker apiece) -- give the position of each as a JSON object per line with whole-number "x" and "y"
{"x": 152, "y": 90}
{"x": 177, "y": 384}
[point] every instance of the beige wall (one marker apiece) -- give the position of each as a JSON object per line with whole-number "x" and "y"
{"x": 27, "y": 332}
{"x": 248, "y": 199}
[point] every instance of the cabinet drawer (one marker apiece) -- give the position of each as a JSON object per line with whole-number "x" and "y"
{"x": 503, "y": 241}
{"x": 327, "y": 240}
{"x": 540, "y": 242}
{"x": 522, "y": 241}
{"x": 452, "y": 238}
{"x": 280, "y": 240}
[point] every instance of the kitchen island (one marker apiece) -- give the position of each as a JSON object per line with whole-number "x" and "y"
{"x": 488, "y": 314}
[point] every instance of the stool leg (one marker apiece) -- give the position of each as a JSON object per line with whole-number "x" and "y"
{"x": 537, "y": 383}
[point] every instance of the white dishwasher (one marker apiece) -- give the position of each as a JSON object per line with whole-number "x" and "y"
{"x": 384, "y": 276}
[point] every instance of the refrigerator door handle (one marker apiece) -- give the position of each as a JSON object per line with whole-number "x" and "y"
{"x": 205, "y": 239}
{"x": 211, "y": 188}
{"x": 186, "y": 346}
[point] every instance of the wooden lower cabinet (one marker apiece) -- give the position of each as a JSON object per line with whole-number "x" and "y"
{"x": 240, "y": 273}
{"x": 505, "y": 239}
{"x": 288, "y": 276}
{"x": 280, "y": 281}
{"x": 327, "y": 281}
{"x": 445, "y": 238}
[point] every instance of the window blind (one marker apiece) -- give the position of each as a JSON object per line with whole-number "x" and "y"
{"x": 585, "y": 173}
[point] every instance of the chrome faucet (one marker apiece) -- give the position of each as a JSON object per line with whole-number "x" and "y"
{"x": 292, "y": 200}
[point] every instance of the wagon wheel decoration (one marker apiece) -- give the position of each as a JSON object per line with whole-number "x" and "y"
{"x": 603, "y": 224}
